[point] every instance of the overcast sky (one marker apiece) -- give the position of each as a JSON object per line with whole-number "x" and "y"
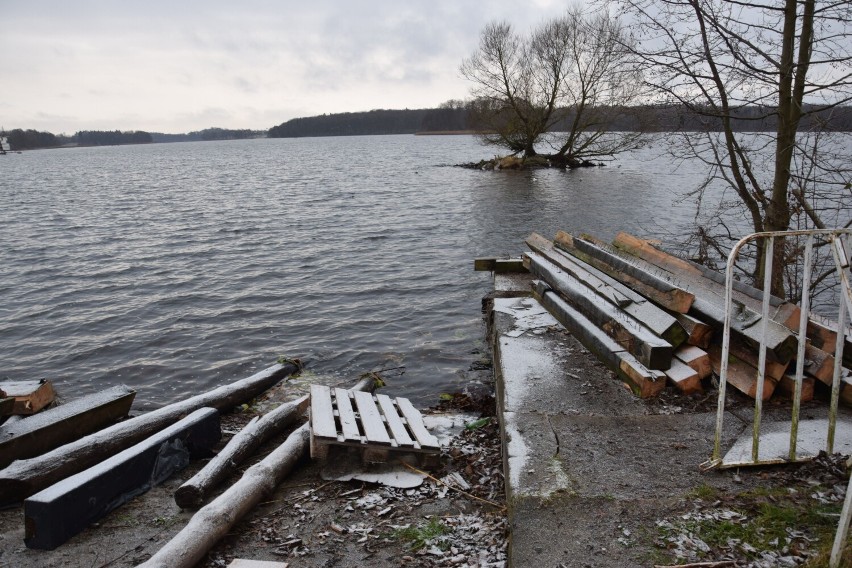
{"x": 173, "y": 66}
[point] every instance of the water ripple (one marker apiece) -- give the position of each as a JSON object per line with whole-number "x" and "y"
{"x": 175, "y": 268}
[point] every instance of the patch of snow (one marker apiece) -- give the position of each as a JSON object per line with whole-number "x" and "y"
{"x": 526, "y": 363}
{"x": 528, "y": 313}
{"x": 389, "y": 474}
{"x": 516, "y": 448}
{"x": 446, "y": 426}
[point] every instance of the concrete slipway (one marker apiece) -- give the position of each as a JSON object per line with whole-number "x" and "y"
{"x": 589, "y": 467}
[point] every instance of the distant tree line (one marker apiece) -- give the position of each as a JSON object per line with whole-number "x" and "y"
{"x": 30, "y": 139}
{"x": 111, "y": 138}
{"x": 352, "y": 123}
{"x": 457, "y": 116}
{"x": 209, "y": 134}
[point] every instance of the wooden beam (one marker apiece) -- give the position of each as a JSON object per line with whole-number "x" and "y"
{"x": 684, "y": 378}
{"x": 498, "y": 265}
{"x": 24, "y": 477}
{"x": 7, "y": 405}
{"x": 62, "y": 424}
{"x": 649, "y": 284}
{"x": 645, "y": 250}
{"x": 30, "y": 396}
{"x": 823, "y": 335}
{"x": 819, "y": 364}
{"x": 699, "y": 333}
{"x": 707, "y": 304}
{"x": 702, "y": 277}
{"x": 787, "y": 387}
{"x": 57, "y": 513}
{"x": 741, "y": 375}
{"x": 696, "y": 359}
{"x": 774, "y": 369}
{"x": 660, "y": 322}
{"x": 650, "y": 350}
{"x": 643, "y": 381}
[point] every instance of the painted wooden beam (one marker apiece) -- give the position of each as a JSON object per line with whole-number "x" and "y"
{"x": 25, "y": 477}
{"x": 64, "y": 423}
{"x": 54, "y": 515}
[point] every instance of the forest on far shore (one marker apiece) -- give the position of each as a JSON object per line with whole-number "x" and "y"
{"x": 20, "y": 139}
{"x": 450, "y": 117}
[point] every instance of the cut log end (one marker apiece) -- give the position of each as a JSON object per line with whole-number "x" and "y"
{"x": 188, "y": 497}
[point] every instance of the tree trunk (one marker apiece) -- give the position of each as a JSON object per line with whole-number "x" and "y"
{"x": 25, "y": 477}
{"x": 213, "y": 521}
{"x": 242, "y": 445}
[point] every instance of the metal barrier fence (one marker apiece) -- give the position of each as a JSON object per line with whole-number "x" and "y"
{"x": 834, "y": 238}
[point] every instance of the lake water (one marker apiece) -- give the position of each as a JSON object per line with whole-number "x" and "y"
{"x": 175, "y": 268}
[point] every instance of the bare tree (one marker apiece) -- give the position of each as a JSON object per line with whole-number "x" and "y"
{"x": 569, "y": 74}
{"x": 516, "y": 85}
{"x": 599, "y": 89}
{"x": 786, "y": 61}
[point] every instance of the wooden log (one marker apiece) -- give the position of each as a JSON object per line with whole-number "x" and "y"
{"x": 259, "y": 431}
{"x": 648, "y": 283}
{"x": 30, "y": 396}
{"x": 643, "y": 381}
{"x": 741, "y": 375}
{"x": 24, "y": 477}
{"x": 696, "y": 359}
{"x": 213, "y": 521}
{"x": 684, "y": 378}
{"x": 54, "y": 515}
{"x": 62, "y": 424}
{"x": 660, "y": 322}
{"x": 787, "y": 387}
{"x": 652, "y": 351}
{"x": 699, "y": 333}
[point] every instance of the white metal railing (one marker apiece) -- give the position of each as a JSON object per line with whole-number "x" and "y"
{"x": 835, "y": 239}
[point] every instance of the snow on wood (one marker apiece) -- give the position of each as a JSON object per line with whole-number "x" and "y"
{"x": 64, "y": 423}
{"x": 30, "y": 396}
{"x": 24, "y": 477}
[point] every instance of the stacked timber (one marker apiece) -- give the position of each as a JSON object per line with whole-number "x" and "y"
{"x": 653, "y": 317}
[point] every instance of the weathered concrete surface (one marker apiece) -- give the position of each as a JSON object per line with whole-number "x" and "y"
{"x": 589, "y": 467}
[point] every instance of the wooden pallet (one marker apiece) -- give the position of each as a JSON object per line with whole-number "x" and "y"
{"x": 375, "y": 424}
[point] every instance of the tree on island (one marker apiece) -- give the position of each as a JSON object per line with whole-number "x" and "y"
{"x": 563, "y": 85}
{"x": 790, "y": 61}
